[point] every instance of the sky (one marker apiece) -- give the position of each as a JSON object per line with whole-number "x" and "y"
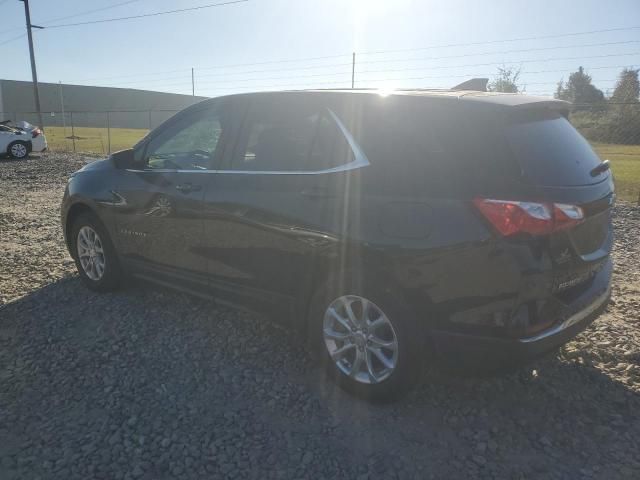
{"x": 291, "y": 44}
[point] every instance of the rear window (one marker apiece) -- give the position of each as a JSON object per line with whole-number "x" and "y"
{"x": 551, "y": 152}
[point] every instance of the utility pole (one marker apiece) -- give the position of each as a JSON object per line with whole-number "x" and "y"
{"x": 34, "y": 74}
{"x": 353, "y": 70}
{"x": 193, "y": 83}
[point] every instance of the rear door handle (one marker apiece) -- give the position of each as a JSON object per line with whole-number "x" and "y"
{"x": 188, "y": 187}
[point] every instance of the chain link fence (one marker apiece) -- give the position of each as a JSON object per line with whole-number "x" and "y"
{"x": 93, "y": 132}
{"x": 613, "y": 128}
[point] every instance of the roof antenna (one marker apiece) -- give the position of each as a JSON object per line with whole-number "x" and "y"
{"x": 476, "y": 84}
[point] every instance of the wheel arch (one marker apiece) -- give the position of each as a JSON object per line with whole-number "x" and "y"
{"x": 366, "y": 265}
{"x": 73, "y": 213}
{"x": 27, "y": 143}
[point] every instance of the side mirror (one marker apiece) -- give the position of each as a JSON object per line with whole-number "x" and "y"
{"x": 123, "y": 158}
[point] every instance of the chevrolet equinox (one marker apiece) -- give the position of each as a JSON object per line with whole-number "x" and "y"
{"x": 379, "y": 229}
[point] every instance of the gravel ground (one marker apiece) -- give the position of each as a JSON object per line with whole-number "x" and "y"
{"x": 153, "y": 384}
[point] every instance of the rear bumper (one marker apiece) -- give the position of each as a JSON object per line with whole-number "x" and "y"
{"x": 490, "y": 350}
{"x": 39, "y": 144}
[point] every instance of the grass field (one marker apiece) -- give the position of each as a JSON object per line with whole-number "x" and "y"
{"x": 625, "y": 163}
{"x": 93, "y": 140}
{"x": 625, "y": 159}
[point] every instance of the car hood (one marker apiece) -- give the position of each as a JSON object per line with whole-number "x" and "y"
{"x": 103, "y": 164}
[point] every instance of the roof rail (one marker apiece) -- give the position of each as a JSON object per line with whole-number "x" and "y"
{"x": 477, "y": 84}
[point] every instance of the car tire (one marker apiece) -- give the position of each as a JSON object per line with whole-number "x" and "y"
{"x": 94, "y": 254}
{"x": 18, "y": 150}
{"x": 407, "y": 361}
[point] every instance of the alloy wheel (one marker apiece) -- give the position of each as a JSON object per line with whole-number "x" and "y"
{"x": 90, "y": 253}
{"x": 360, "y": 339}
{"x": 18, "y": 150}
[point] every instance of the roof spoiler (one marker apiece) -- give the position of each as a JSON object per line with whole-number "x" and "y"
{"x": 476, "y": 84}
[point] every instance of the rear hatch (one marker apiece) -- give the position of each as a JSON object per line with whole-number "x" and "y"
{"x": 563, "y": 169}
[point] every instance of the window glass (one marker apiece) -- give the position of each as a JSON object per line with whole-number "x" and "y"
{"x": 330, "y": 147}
{"x": 408, "y": 146}
{"x": 189, "y": 145}
{"x": 289, "y": 135}
{"x": 552, "y": 152}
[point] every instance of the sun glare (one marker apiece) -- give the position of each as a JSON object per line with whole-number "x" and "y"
{"x": 385, "y": 91}
{"x": 362, "y": 10}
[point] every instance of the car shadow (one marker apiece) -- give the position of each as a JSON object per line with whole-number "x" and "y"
{"x": 552, "y": 418}
{"x": 4, "y": 158}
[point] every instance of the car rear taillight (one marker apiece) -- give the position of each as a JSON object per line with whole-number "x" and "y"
{"x": 35, "y": 132}
{"x": 511, "y": 217}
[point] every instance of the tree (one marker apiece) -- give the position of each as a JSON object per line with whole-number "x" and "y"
{"x": 627, "y": 88}
{"x": 619, "y": 121}
{"x": 623, "y": 121}
{"x": 579, "y": 90}
{"x": 506, "y": 81}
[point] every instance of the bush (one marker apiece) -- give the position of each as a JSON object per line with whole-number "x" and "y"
{"x": 617, "y": 124}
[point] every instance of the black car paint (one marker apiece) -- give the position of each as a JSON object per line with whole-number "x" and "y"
{"x": 267, "y": 241}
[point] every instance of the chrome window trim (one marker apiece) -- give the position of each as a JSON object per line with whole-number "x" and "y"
{"x": 360, "y": 160}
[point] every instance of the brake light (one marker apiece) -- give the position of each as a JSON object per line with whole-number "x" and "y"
{"x": 511, "y": 217}
{"x": 35, "y": 132}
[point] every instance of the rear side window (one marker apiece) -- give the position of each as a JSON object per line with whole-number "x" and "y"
{"x": 289, "y": 135}
{"x": 551, "y": 152}
{"x": 409, "y": 145}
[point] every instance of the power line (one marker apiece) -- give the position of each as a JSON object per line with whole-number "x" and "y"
{"x": 487, "y": 42}
{"x": 337, "y": 82}
{"x": 154, "y": 14}
{"x": 128, "y": 75}
{"x": 331, "y": 65}
{"x": 389, "y": 71}
{"x": 278, "y": 61}
{"x": 325, "y": 74}
{"x": 436, "y": 46}
{"x": 13, "y": 39}
{"x": 439, "y": 67}
{"x": 87, "y": 12}
{"x": 520, "y": 39}
{"x": 525, "y": 50}
{"x": 343, "y": 73}
{"x": 234, "y": 65}
{"x": 376, "y": 61}
{"x": 363, "y": 81}
{"x": 232, "y": 80}
{"x": 397, "y": 60}
{"x": 483, "y": 75}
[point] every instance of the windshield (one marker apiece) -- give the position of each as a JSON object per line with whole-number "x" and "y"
{"x": 551, "y": 152}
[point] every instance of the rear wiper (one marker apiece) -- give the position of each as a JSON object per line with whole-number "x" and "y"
{"x": 603, "y": 167}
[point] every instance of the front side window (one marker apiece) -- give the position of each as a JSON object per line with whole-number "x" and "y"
{"x": 289, "y": 136}
{"x": 191, "y": 144}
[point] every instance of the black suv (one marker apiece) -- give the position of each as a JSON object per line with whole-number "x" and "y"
{"x": 380, "y": 229}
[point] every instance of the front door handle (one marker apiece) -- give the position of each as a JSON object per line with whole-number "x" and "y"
{"x": 188, "y": 187}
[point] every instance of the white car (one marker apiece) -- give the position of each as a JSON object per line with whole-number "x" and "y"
{"x": 18, "y": 140}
